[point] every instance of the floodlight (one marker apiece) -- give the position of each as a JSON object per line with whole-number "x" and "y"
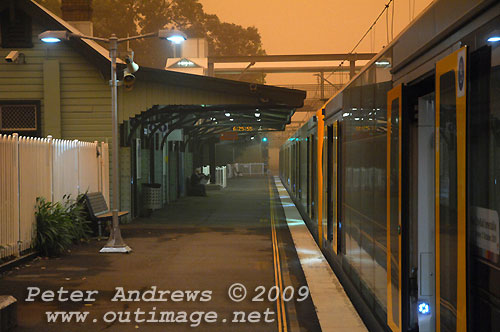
{"x": 494, "y": 36}
{"x": 175, "y": 36}
{"x": 54, "y": 36}
{"x": 132, "y": 67}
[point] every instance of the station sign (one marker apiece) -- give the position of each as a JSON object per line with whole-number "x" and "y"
{"x": 229, "y": 136}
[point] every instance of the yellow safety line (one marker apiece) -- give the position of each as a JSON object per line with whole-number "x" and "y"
{"x": 278, "y": 307}
{"x": 274, "y": 255}
{"x": 279, "y": 274}
{"x": 278, "y": 264}
{"x": 281, "y": 313}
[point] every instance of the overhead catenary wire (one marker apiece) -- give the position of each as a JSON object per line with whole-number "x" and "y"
{"x": 387, "y": 25}
{"x": 392, "y": 19}
{"x": 386, "y": 7}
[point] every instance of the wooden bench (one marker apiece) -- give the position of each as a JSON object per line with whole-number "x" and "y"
{"x": 98, "y": 209}
{"x": 8, "y": 313}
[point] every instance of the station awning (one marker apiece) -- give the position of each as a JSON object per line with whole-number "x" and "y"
{"x": 210, "y": 121}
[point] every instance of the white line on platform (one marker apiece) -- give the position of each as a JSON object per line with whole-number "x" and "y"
{"x": 334, "y": 309}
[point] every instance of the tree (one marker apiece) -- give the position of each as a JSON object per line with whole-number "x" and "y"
{"x": 141, "y": 16}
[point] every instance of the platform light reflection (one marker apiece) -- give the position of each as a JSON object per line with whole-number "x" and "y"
{"x": 294, "y": 223}
{"x": 312, "y": 261}
{"x": 307, "y": 251}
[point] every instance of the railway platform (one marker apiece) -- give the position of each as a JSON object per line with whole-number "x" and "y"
{"x": 248, "y": 235}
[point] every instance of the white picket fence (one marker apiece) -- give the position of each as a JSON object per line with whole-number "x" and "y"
{"x": 43, "y": 167}
{"x": 251, "y": 169}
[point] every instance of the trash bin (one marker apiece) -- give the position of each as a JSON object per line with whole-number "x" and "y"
{"x": 151, "y": 196}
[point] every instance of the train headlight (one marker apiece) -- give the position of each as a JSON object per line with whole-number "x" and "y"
{"x": 424, "y": 308}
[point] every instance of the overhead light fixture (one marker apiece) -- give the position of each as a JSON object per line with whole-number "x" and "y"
{"x": 252, "y": 138}
{"x": 185, "y": 63}
{"x": 175, "y": 36}
{"x": 382, "y": 63}
{"x": 231, "y": 120}
{"x": 257, "y": 114}
{"x": 258, "y": 120}
{"x": 494, "y": 36}
{"x": 54, "y": 36}
{"x": 50, "y": 40}
{"x": 227, "y": 114}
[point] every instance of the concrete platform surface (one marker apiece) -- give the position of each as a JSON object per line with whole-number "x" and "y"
{"x": 203, "y": 244}
{"x": 334, "y": 309}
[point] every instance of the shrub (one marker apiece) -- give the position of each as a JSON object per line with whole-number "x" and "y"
{"x": 59, "y": 225}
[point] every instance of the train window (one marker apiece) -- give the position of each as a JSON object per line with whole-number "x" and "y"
{"x": 326, "y": 192}
{"x": 312, "y": 176}
{"x": 362, "y": 184}
{"x": 484, "y": 192}
{"x": 308, "y": 173}
{"x": 333, "y": 185}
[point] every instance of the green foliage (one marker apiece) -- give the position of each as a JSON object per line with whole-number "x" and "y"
{"x": 132, "y": 17}
{"x": 59, "y": 225}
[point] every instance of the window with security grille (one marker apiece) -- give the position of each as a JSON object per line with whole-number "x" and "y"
{"x": 20, "y": 116}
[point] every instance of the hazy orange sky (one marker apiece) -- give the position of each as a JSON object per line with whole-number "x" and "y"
{"x": 315, "y": 26}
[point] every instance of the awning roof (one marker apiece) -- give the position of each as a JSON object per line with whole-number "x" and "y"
{"x": 210, "y": 121}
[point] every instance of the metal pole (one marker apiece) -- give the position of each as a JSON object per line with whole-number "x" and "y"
{"x": 352, "y": 69}
{"x": 322, "y": 85}
{"x": 115, "y": 242}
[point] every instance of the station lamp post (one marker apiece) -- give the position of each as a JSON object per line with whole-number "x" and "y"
{"x": 115, "y": 242}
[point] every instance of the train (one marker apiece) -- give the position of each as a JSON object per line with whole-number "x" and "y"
{"x": 396, "y": 175}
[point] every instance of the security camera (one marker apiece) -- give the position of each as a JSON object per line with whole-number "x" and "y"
{"x": 132, "y": 67}
{"x": 13, "y": 56}
{"x": 128, "y": 73}
{"x": 128, "y": 79}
